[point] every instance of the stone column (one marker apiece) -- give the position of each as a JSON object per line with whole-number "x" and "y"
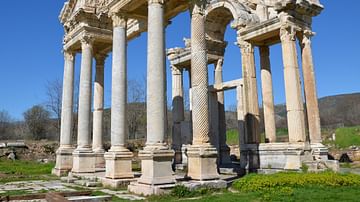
{"x": 251, "y": 106}
{"x": 156, "y": 158}
{"x": 84, "y": 161}
{"x": 267, "y": 95}
{"x": 98, "y": 113}
{"x": 118, "y": 159}
{"x": 201, "y": 155}
{"x": 294, "y": 102}
{"x": 241, "y": 126}
{"x": 224, "y": 148}
{"x": 64, "y": 159}
{"x": 311, "y": 99}
{"x": 177, "y": 111}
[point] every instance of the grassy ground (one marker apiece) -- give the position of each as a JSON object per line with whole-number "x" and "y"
{"x": 11, "y": 171}
{"x": 232, "y": 136}
{"x": 347, "y": 136}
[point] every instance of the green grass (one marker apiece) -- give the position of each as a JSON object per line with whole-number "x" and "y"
{"x": 232, "y": 137}
{"x": 24, "y": 171}
{"x": 347, "y": 136}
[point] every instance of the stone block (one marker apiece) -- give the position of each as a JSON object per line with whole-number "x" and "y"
{"x": 156, "y": 167}
{"x": 116, "y": 183}
{"x": 99, "y": 159}
{"x": 202, "y": 163}
{"x": 64, "y": 161}
{"x": 147, "y": 190}
{"x": 213, "y": 184}
{"x": 83, "y": 161}
{"x": 119, "y": 165}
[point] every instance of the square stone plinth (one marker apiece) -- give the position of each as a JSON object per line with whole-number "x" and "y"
{"x": 64, "y": 161}
{"x": 99, "y": 160}
{"x": 156, "y": 167}
{"x": 119, "y": 165}
{"x": 147, "y": 190}
{"x": 116, "y": 183}
{"x": 202, "y": 163}
{"x": 83, "y": 162}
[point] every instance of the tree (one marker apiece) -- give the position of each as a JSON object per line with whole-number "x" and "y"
{"x": 37, "y": 119}
{"x": 5, "y": 125}
{"x": 54, "y": 98}
{"x": 136, "y": 107}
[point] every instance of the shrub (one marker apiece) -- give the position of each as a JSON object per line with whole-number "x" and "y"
{"x": 260, "y": 183}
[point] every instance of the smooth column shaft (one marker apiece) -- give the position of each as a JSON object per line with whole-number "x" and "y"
{"x": 98, "y": 113}
{"x": 119, "y": 89}
{"x": 294, "y": 102}
{"x": 156, "y": 76}
{"x": 312, "y": 106}
{"x": 85, "y": 96}
{"x": 267, "y": 95}
{"x": 67, "y": 101}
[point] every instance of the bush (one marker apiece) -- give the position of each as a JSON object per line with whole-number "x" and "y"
{"x": 263, "y": 183}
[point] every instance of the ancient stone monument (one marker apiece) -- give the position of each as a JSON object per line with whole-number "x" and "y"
{"x": 96, "y": 27}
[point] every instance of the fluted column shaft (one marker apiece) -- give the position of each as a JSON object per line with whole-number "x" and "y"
{"x": 98, "y": 113}
{"x": 67, "y": 101}
{"x": 311, "y": 99}
{"x": 156, "y": 74}
{"x": 294, "y": 103}
{"x": 119, "y": 84}
{"x": 199, "y": 77}
{"x": 252, "y": 115}
{"x": 267, "y": 94}
{"x": 85, "y": 94}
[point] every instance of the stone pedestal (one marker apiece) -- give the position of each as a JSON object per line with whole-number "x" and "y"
{"x": 119, "y": 164}
{"x": 156, "y": 167}
{"x": 202, "y": 162}
{"x": 99, "y": 159}
{"x": 83, "y": 161}
{"x": 64, "y": 161}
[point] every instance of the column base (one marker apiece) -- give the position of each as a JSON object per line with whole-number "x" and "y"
{"x": 119, "y": 164}
{"x": 64, "y": 161}
{"x": 178, "y": 157}
{"x": 225, "y": 155}
{"x": 202, "y": 162}
{"x": 156, "y": 166}
{"x": 319, "y": 151}
{"x": 99, "y": 160}
{"x": 84, "y": 161}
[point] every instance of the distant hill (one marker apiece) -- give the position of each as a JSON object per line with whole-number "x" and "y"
{"x": 335, "y": 111}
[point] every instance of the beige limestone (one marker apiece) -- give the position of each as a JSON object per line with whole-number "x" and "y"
{"x": 64, "y": 152}
{"x": 84, "y": 159}
{"x": 267, "y": 94}
{"x": 311, "y": 99}
{"x": 294, "y": 102}
{"x": 98, "y": 112}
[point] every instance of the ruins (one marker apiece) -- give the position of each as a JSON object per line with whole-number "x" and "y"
{"x": 94, "y": 28}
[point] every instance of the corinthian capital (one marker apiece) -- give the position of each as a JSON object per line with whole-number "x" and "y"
{"x": 198, "y": 7}
{"x": 119, "y": 20}
{"x": 156, "y": 2}
{"x": 245, "y": 46}
{"x": 306, "y": 37}
{"x": 287, "y": 33}
{"x": 69, "y": 55}
{"x": 87, "y": 40}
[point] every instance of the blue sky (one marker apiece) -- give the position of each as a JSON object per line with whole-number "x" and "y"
{"x": 31, "y": 43}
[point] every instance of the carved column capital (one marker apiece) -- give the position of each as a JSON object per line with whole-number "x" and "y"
{"x": 69, "y": 55}
{"x": 119, "y": 19}
{"x": 87, "y": 41}
{"x": 156, "y": 2}
{"x": 198, "y": 7}
{"x": 176, "y": 71}
{"x": 245, "y": 46}
{"x": 100, "y": 59}
{"x": 219, "y": 64}
{"x": 288, "y": 33}
{"x": 306, "y": 37}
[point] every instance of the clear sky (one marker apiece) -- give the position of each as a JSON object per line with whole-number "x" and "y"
{"x": 31, "y": 43}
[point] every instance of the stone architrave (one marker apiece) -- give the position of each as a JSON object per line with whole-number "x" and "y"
{"x": 84, "y": 159}
{"x": 178, "y": 111}
{"x": 64, "y": 159}
{"x": 98, "y": 114}
{"x": 224, "y": 148}
{"x": 311, "y": 99}
{"x": 156, "y": 157}
{"x": 119, "y": 158}
{"x": 267, "y": 95}
{"x": 294, "y": 102}
{"x": 202, "y": 155}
